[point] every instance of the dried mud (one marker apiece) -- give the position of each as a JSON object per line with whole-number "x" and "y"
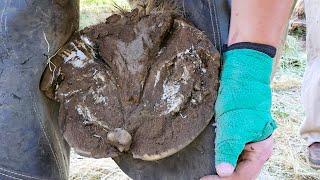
{"x": 136, "y": 84}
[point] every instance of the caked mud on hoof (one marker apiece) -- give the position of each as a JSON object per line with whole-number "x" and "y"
{"x": 144, "y": 85}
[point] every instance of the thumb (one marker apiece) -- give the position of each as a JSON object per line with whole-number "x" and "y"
{"x": 226, "y": 157}
{"x": 225, "y": 169}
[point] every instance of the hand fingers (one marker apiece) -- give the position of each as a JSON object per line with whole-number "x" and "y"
{"x": 253, "y": 159}
{"x": 225, "y": 169}
{"x": 227, "y": 154}
{"x": 250, "y": 163}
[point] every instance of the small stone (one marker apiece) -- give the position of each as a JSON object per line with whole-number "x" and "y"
{"x": 120, "y": 138}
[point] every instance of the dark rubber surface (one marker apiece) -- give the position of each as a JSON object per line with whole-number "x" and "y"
{"x": 31, "y": 146}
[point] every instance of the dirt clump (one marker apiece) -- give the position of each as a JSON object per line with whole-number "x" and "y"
{"x": 140, "y": 84}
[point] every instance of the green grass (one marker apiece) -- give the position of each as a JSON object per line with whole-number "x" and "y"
{"x": 294, "y": 57}
{"x": 280, "y": 113}
{"x": 95, "y": 11}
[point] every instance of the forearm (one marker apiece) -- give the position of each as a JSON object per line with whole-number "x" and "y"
{"x": 243, "y": 107}
{"x": 259, "y": 21}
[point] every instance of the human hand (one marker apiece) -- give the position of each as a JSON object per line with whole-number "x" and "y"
{"x": 250, "y": 163}
{"x": 243, "y": 113}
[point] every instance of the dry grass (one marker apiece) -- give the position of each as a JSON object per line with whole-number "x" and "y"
{"x": 94, "y": 169}
{"x": 289, "y": 160}
{"x": 95, "y": 11}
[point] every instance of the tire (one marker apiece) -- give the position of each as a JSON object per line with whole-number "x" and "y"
{"x": 31, "y": 145}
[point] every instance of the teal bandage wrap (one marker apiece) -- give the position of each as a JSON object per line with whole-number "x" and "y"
{"x": 243, "y": 107}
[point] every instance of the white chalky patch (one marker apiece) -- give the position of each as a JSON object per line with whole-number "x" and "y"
{"x": 78, "y": 63}
{"x": 183, "y": 24}
{"x": 160, "y": 52}
{"x": 188, "y": 52}
{"x": 192, "y": 53}
{"x": 182, "y": 54}
{"x": 86, "y": 40}
{"x": 172, "y": 97}
{"x": 70, "y": 57}
{"x": 86, "y": 114}
{"x": 81, "y": 55}
{"x": 77, "y": 58}
{"x": 185, "y": 75}
{"x": 204, "y": 70}
{"x": 70, "y": 93}
{"x": 98, "y": 97}
{"x": 98, "y": 76}
{"x": 89, "y": 117}
{"x": 101, "y": 89}
{"x": 157, "y": 78}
